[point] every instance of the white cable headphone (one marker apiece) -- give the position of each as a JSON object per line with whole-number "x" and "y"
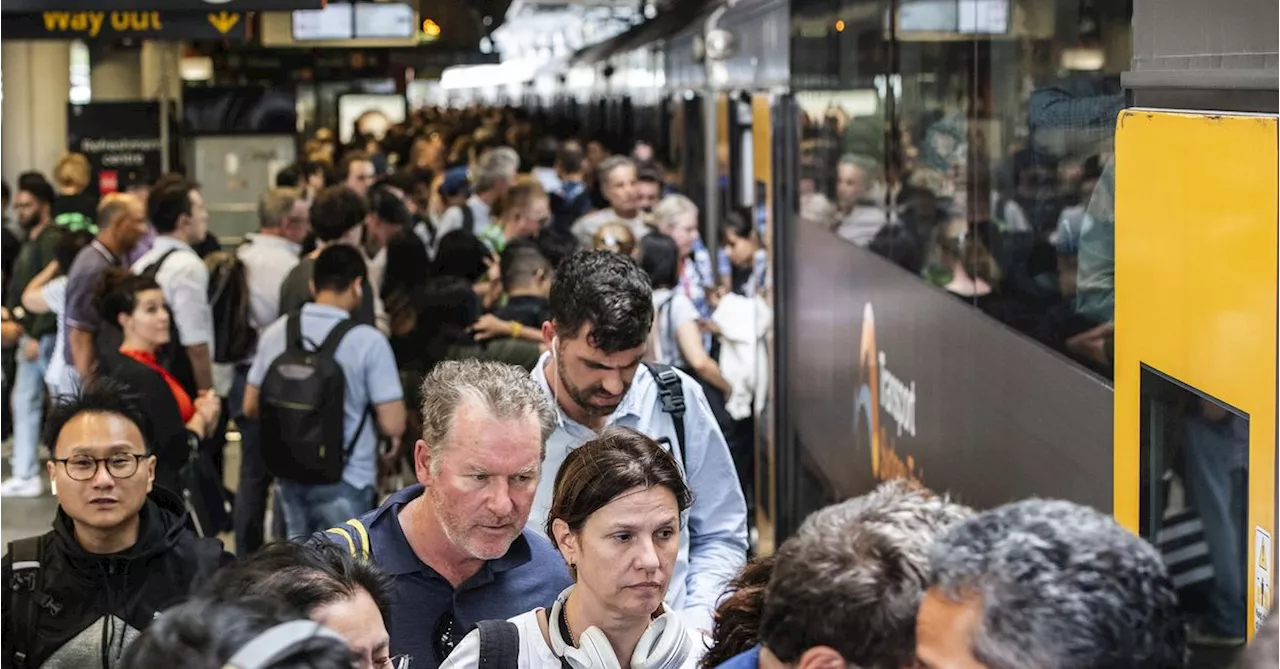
{"x": 665, "y": 644}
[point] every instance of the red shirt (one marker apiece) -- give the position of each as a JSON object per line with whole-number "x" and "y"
{"x": 185, "y": 407}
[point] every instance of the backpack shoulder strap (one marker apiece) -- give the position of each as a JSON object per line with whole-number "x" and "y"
{"x": 330, "y": 345}
{"x": 154, "y": 268}
{"x": 671, "y": 394}
{"x": 468, "y": 218}
{"x": 293, "y": 331}
{"x": 499, "y": 644}
{"x": 25, "y": 557}
{"x": 356, "y": 536}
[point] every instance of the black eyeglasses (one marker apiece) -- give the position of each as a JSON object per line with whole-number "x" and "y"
{"x": 119, "y": 466}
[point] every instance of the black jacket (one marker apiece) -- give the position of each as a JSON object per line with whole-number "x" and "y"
{"x": 82, "y": 610}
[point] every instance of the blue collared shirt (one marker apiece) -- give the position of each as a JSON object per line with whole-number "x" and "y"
{"x": 531, "y": 575}
{"x": 370, "y": 376}
{"x": 747, "y": 659}
{"x": 713, "y": 534}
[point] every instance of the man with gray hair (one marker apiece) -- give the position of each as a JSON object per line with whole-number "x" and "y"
{"x": 493, "y": 175}
{"x": 455, "y": 543}
{"x": 859, "y": 184}
{"x": 1047, "y": 583}
{"x": 845, "y": 588}
{"x": 616, "y": 176}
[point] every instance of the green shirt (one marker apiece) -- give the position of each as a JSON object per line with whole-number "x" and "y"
{"x": 493, "y": 238}
{"x": 35, "y": 255}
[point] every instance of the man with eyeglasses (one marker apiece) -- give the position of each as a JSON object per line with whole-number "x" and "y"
{"x": 119, "y": 552}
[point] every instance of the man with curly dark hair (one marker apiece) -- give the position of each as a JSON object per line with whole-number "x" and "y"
{"x": 602, "y": 311}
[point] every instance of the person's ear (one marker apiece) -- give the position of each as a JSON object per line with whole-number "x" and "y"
{"x": 548, "y": 332}
{"x": 422, "y": 462}
{"x": 151, "y": 473}
{"x": 52, "y": 468}
{"x": 566, "y": 541}
{"x": 821, "y": 657}
{"x": 311, "y": 285}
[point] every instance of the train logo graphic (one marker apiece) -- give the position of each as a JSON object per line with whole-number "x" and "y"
{"x": 883, "y": 402}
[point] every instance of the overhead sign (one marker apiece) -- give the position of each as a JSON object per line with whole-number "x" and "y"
{"x": 159, "y": 25}
{"x": 37, "y": 6}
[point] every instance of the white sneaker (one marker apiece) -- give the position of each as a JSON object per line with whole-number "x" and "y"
{"x": 16, "y": 487}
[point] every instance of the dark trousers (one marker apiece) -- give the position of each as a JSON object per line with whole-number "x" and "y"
{"x": 255, "y": 480}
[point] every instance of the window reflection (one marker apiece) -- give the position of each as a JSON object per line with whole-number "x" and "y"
{"x": 1194, "y": 507}
{"x": 970, "y": 142}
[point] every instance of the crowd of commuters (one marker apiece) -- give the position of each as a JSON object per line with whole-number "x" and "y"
{"x": 492, "y": 386}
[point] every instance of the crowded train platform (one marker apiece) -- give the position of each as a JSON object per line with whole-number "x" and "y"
{"x": 661, "y": 334}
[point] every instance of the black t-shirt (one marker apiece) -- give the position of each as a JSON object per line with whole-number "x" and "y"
{"x": 74, "y": 212}
{"x": 528, "y": 310}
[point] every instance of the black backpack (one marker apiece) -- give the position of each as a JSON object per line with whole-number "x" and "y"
{"x": 234, "y": 336}
{"x": 302, "y": 399}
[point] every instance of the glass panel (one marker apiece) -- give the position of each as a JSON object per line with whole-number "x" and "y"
{"x": 1194, "y": 492}
{"x": 970, "y": 142}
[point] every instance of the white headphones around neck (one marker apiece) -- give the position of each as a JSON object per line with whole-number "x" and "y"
{"x": 665, "y": 645}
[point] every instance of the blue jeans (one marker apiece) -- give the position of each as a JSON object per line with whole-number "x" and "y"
{"x": 28, "y": 407}
{"x": 1217, "y": 475}
{"x": 314, "y": 508}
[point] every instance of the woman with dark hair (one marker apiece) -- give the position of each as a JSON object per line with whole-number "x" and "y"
{"x": 135, "y": 304}
{"x": 323, "y": 582}
{"x": 678, "y": 335}
{"x": 737, "y": 622}
{"x": 615, "y": 517}
{"x": 254, "y": 632}
{"x": 750, "y": 263}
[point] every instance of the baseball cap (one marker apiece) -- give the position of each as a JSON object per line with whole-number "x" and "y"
{"x": 455, "y": 182}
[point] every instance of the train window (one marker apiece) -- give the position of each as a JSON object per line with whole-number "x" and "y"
{"x": 1194, "y": 492}
{"x": 972, "y": 147}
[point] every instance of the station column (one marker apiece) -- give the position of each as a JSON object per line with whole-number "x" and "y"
{"x": 33, "y": 121}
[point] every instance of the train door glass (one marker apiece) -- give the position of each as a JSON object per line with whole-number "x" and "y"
{"x": 1194, "y": 506}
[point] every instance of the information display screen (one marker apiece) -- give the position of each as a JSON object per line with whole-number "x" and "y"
{"x": 332, "y": 22}
{"x": 384, "y": 20}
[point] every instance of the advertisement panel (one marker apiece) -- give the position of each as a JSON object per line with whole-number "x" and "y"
{"x": 890, "y": 377}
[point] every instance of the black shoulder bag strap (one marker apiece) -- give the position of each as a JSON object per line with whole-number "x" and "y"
{"x": 328, "y": 349}
{"x": 499, "y": 644}
{"x": 468, "y": 218}
{"x": 150, "y": 271}
{"x": 671, "y": 394}
{"x": 25, "y": 556}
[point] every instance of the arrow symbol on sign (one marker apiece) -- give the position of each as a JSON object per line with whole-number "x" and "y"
{"x": 223, "y": 22}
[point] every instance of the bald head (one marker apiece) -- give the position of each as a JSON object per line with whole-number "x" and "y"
{"x": 122, "y": 221}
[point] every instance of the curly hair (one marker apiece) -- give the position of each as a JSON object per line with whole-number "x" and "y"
{"x": 1061, "y": 585}
{"x": 607, "y": 291}
{"x": 737, "y": 620}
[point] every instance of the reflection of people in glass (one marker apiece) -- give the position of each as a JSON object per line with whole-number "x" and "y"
{"x": 1216, "y": 448}
{"x": 858, "y": 179}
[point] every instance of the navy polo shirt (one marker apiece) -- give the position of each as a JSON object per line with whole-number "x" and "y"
{"x": 425, "y": 606}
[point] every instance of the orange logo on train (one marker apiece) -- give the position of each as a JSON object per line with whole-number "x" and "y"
{"x": 883, "y": 401}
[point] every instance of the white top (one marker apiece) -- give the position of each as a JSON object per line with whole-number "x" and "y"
{"x": 184, "y": 280}
{"x": 585, "y": 228}
{"x": 452, "y": 219}
{"x": 672, "y": 310}
{"x": 535, "y": 652}
{"x": 55, "y": 295}
{"x": 267, "y": 259}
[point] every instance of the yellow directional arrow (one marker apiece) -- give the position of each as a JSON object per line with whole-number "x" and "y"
{"x": 224, "y": 21}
